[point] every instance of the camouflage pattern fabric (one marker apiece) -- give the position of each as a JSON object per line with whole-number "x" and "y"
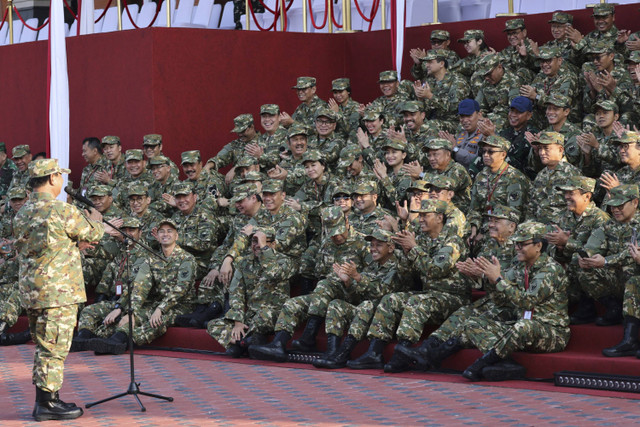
{"x": 305, "y": 114}
{"x": 546, "y": 202}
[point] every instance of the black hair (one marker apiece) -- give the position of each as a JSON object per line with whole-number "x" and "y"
{"x": 93, "y": 142}
{"x": 39, "y": 181}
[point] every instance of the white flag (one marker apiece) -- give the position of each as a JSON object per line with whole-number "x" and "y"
{"x": 86, "y": 16}
{"x": 400, "y": 26}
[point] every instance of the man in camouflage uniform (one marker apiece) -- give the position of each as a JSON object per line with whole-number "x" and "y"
{"x": 160, "y": 190}
{"x": 259, "y": 287}
{"x": 561, "y": 22}
{"x": 137, "y": 174}
{"x": 440, "y": 39}
{"x": 305, "y": 113}
{"x": 347, "y": 109}
{"x": 139, "y": 202}
{"x": 499, "y": 85}
{"x": 631, "y": 106}
{"x": 558, "y": 110}
{"x": 432, "y": 255}
{"x": 7, "y": 169}
{"x": 11, "y": 304}
{"x": 367, "y": 210}
{"x": 416, "y": 130}
{"x": 290, "y": 168}
{"x": 234, "y": 150}
{"x": 599, "y": 150}
{"x": 114, "y": 170}
{"x": 17, "y": 197}
{"x": 629, "y": 151}
{"x": 391, "y": 97}
{"x": 152, "y": 147}
{"x": 21, "y": 157}
{"x": 357, "y": 170}
{"x": 161, "y": 291}
{"x": 378, "y": 278}
{"x": 92, "y": 154}
{"x": 51, "y": 281}
{"x": 605, "y": 31}
{"x": 205, "y": 182}
{"x": 343, "y": 244}
{"x": 274, "y": 138}
{"x": 520, "y": 55}
{"x": 326, "y": 139}
{"x": 441, "y": 188}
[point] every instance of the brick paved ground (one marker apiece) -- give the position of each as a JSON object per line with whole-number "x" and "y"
{"x": 224, "y": 393}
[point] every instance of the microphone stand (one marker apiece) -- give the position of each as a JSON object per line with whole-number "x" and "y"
{"x": 134, "y": 387}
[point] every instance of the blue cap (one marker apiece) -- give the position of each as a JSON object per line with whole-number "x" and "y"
{"x": 468, "y": 106}
{"x": 522, "y": 104}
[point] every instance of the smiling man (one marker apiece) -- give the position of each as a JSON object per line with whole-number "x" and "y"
{"x": 21, "y": 157}
{"x": 306, "y": 112}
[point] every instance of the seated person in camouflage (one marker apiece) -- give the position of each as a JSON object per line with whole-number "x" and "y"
{"x": 632, "y": 105}
{"x": 628, "y": 145}
{"x": 392, "y": 96}
{"x": 561, "y": 24}
{"x": 605, "y": 30}
{"x": 114, "y": 170}
{"x": 21, "y": 156}
{"x": 137, "y": 173}
{"x": 441, "y": 188}
{"x": 164, "y": 182}
{"x": 161, "y": 291}
{"x": 521, "y": 54}
{"x": 111, "y": 292}
{"x": 205, "y": 182}
{"x": 92, "y": 154}
{"x": 371, "y": 140}
{"x": 353, "y": 170}
{"x": 465, "y": 142}
{"x": 546, "y": 202}
{"x": 368, "y": 286}
{"x": 342, "y": 244}
{"x": 272, "y": 140}
{"x": 139, "y": 202}
{"x": 568, "y": 236}
{"x": 152, "y": 147}
{"x": 346, "y": 108}
{"x": 503, "y": 221}
{"x": 259, "y": 287}
{"x": 326, "y": 139}
{"x": 415, "y": 130}
{"x": 432, "y": 254}
{"x": 11, "y": 304}
{"x": 305, "y": 113}
{"x": 234, "y": 150}
{"x": 407, "y": 216}
{"x": 608, "y": 254}
{"x": 439, "y": 39}
{"x": 476, "y": 47}
{"x": 599, "y": 152}
{"x": 244, "y": 165}
{"x": 17, "y": 197}
{"x": 392, "y": 178}
{"x": 367, "y": 210}
{"x": 7, "y": 169}
{"x": 290, "y": 168}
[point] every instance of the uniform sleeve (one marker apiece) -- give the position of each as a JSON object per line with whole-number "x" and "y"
{"x": 237, "y": 297}
{"x": 541, "y": 286}
{"x": 184, "y": 282}
{"x": 79, "y": 227}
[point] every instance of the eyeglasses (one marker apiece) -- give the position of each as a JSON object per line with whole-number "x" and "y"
{"x": 490, "y": 152}
{"x": 341, "y": 198}
{"x": 324, "y": 122}
{"x": 520, "y": 245}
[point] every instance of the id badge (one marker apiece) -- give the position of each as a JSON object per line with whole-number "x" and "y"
{"x": 118, "y": 288}
{"x": 527, "y": 315}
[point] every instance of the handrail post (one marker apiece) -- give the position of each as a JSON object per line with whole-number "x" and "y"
{"x": 10, "y": 16}
{"x": 119, "y": 6}
{"x": 330, "y": 15}
{"x": 510, "y": 11}
{"x": 304, "y": 16}
{"x": 168, "y": 13}
{"x": 283, "y": 11}
{"x": 435, "y": 12}
{"x": 383, "y": 14}
{"x": 247, "y": 11}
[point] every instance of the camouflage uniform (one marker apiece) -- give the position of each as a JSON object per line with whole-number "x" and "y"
{"x": 565, "y": 47}
{"x": 524, "y": 66}
{"x": 120, "y": 191}
{"x": 467, "y": 65}
{"x": 233, "y": 151}
{"x": 419, "y": 70}
{"x": 51, "y": 281}
{"x": 494, "y": 99}
{"x": 6, "y": 221}
{"x": 305, "y": 113}
{"x": 157, "y": 189}
{"x": 596, "y": 36}
{"x": 395, "y": 185}
{"x": 6, "y": 172}
{"x": 208, "y": 182}
{"x": 155, "y": 139}
{"x": 388, "y": 106}
{"x": 117, "y": 171}
{"x": 88, "y": 177}
{"x": 348, "y": 114}
{"x": 11, "y": 300}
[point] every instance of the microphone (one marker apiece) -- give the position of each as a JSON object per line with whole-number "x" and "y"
{"x": 79, "y": 197}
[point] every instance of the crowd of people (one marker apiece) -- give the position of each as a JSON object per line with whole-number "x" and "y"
{"x": 511, "y": 172}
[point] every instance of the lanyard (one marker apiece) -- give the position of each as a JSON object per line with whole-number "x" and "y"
{"x": 490, "y": 190}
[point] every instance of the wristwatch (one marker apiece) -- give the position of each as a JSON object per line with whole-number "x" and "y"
{"x": 118, "y": 306}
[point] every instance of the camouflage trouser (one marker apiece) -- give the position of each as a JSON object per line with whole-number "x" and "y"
{"x": 507, "y": 337}
{"x": 601, "y": 282}
{"x": 92, "y": 317}
{"x": 209, "y": 295}
{"x": 10, "y": 308}
{"x": 52, "y": 331}
{"x": 92, "y": 269}
{"x": 430, "y": 307}
{"x": 631, "y": 300}
{"x": 261, "y": 322}
{"x": 143, "y": 332}
{"x": 297, "y": 309}
{"x": 308, "y": 260}
{"x": 342, "y": 315}
{"x": 454, "y": 325}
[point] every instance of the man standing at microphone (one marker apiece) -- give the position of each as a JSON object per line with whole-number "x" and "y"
{"x": 48, "y": 235}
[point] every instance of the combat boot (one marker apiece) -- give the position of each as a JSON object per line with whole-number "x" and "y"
{"x": 372, "y": 359}
{"x": 15, "y": 338}
{"x": 274, "y": 351}
{"x": 421, "y": 356}
{"x": 333, "y": 344}
{"x": 474, "y": 372}
{"x": 340, "y": 358}
{"x": 49, "y": 407}
{"x": 613, "y": 315}
{"x": 629, "y": 344}
{"x": 506, "y": 370}
{"x": 80, "y": 341}
{"x": 184, "y": 320}
{"x": 253, "y": 338}
{"x": 115, "y": 344}
{"x": 235, "y": 351}
{"x": 398, "y": 362}
{"x": 200, "y": 319}
{"x": 586, "y": 311}
{"x": 307, "y": 342}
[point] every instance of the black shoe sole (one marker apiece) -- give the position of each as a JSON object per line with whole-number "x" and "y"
{"x": 100, "y": 346}
{"x": 258, "y": 354}
{"x": 57, "y": 417}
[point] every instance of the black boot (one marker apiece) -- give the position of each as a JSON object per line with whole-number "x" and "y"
{"x": 80, "y": 341}
{"x": 49, "y": 407}
{"x": 340, "y": 357}
{"x": 629, "y": 344}
{"x": 306, "y": 285}
{"x": 505, "y": 370}
{"x": 274, "y": 351}
{"x": 421, "y": 356}
{"x": 200, "y": 320}
{"x": 613, "y": 315}
{"x": 15, "y": 338}
{"x": 184, "y": 320}
{"x": 116, "y": 344}
{"x": 474, "y": 372}
{"x": 586, "y": 311}
{"x": 235, "y": 351}
{"x": 372, "y": 359}
{"x": 100, "y": 298}
{"x": 307, "y": 342}
{"x": 253, "y": 338}
{"x": 398, "y": 362}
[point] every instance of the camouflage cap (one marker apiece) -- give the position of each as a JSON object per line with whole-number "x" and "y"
{"x": 342, "y": 189}
{"x": 439, "y": 35}
{"x": 327, "y": 112}
{"x": 600, "y": 47}
{"x": 471, "y": 35}
{"x": 438, "y": 144}
{"x": 3, "y": 147}
{"x": 246, "y": 161}
{"x": 312, "y": 155}
{"x": 559, "y": 100}
{"x": 410, "y": 107}
{"x": 341, "y": 84}
{"x": 131, "y": 222}
{"x": 628, "y": 137}
{"x": 439, "y": 181}
{"x": 17, "y": 192}
{"x": 514, "y": 24}
{"x": 297, "y": 129}
{"x": 168, "y": 221}
{"x": 395, "y": 143}
{"x": 529, "y": 230}
{"x": 487, "y": 63}
{"x": 182, "y": 188}
{"x": 603, "y": 9}
{"x": 348, "y": 155}
{"x": 253, "y": 176}
{"x": 137, "y": 190}
{"x": 549, "y": 52}
{"x": 304, "y": 83}
{"x": 547, "y": 138}
{"x": 431, "y": 205}
{"x": 272, "y": 109}
{"x": 135, "y": 154}
{"x": 634, "y": 57}
{"x": 110, "y": 140}
{"x": 99, "y": 190}
{"x": 242, "y": 122}
{"x": 606, "y": 105}
{"x": 622, "y": 194}
{"x": 159, "y": 160}
{"x": 20, "y": 151}
{"x": 578, "y": 182}
{"x": 44, "y": 167}
{"x": 152, "y": 139}
{"x": 388, "y": 76}
{"x": 419, "y": 185}
{"x": 435, "y": 54}
{"x": 366, "y": 187}
{"x": 333, "y": 221}
{"x": 272, "y": 185}
{"x": 243, "y": 191}
{"x": 561, "y": 18}
{"x": 496, "y": 141}
{"x": 269, "y": 232}
{"x": 504, "y": 212}
{"x": 192, "y": 156}
{"x": 371, "y": 114}
{"x": 380, "y": 235}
